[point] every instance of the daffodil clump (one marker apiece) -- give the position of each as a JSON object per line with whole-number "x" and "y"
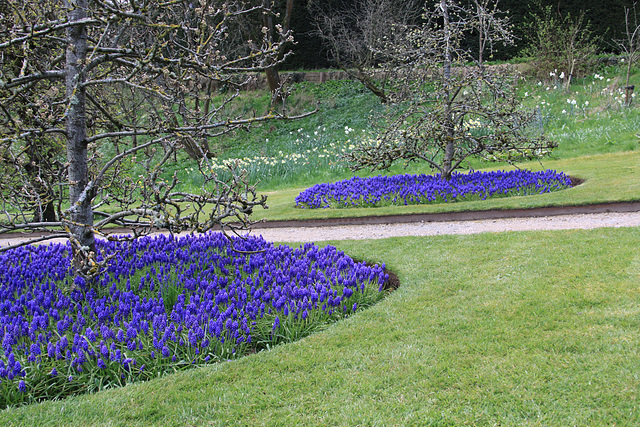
{"x": 304, "y": 152}
{"x": 601, "y": 93}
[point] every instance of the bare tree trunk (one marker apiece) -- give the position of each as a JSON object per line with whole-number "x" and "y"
{"x": 44, "y": 210}
{"x": 449, "y": 147}
{"x": 273, "y": 77}
{"x": 481, "y": 40}
{"x": 449, "y": 151}
{"x": 81, "y": 215}
{"x": 273, "y": 80}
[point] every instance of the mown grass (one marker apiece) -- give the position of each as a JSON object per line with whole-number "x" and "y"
{"x": 520, "y": 328}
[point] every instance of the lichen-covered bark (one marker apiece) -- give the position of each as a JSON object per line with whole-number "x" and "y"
{"x": 80, "y": 214}
{"x": 117, "y": 84}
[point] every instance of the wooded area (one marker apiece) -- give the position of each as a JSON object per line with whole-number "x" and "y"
{"x": 607, "y": 21}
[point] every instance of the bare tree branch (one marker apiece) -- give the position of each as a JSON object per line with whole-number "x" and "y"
{"x": 99, "y": 98}
{"x": 447, "y": 111}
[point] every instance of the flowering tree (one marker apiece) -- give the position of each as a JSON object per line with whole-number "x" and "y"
{"x": 447, "y": 110}
{"x": 98, "y": 96}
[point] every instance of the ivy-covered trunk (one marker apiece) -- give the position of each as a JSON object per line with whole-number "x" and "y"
{"x": 80, "y": 219}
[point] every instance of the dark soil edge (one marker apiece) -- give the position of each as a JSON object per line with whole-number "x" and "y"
{"x": 392, "y": 283}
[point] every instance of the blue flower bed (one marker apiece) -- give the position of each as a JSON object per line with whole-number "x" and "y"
{"x": 164, "y": 304}
{"x": 423, "y": 189}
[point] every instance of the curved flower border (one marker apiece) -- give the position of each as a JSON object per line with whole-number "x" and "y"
{"x": 422, "y": 189}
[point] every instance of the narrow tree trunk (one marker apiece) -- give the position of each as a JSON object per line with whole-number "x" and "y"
{"x": 275, "y": 85}
{"x": 449, "y": 150}
{"x": 481, "y": 40}
{"x": 273, "y": 77}
{"x": 81, "y": 215}
{"x": 37, "y": 151}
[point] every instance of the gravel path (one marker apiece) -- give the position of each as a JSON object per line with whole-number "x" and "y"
{"x": 381, "y": 231}
{"x": 431, "y": 228}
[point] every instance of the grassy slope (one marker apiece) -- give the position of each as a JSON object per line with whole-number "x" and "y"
{"x": 598, "y": 142}
{"x": 600, "y": 127}
{"x": 486, "y": 329}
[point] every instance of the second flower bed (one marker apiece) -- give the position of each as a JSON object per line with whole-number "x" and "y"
{"x": 423, "y": 189}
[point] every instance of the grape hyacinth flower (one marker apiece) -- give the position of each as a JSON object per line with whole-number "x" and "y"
{"x": 164, "y": 301}
{"x": 422, "y": 189}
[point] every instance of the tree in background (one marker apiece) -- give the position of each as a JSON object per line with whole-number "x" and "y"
{"x": 354, "y": 34}
{"x": 449, "y": 110}
{"x": 630, "y": 46}
{"x": 273, "y": 31}
{"x": 97, "y": 98}
{"x": 491, "y": 26}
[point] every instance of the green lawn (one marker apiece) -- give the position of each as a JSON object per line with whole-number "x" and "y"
{"x": 526, "y": 328}
{"x": 520, "y": 328}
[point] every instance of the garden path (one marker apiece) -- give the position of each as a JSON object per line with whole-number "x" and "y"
{"x": 620, "y": 215}
{"x": 381, "y": 231}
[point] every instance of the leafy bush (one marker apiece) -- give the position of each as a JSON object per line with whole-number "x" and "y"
{"x": 165, "y": 304}
{"x": 561, "y": 44}
{"x": 421, "y": 189}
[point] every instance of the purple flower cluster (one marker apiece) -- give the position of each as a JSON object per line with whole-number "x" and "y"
{"x": 423, "y": 189}
{"x": 163, "y": 303}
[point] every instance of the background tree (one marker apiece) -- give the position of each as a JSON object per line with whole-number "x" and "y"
{"x": 273, "y": 31}
{"x": 354, "y": 33}
{"x": 119, "y": 85}
{"x": 450, "y": 111}
{"x": 491, "y": 26}
{"x": 630, "y": 45}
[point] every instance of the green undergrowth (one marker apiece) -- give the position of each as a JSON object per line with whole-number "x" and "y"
{"x": 519, "y": 328}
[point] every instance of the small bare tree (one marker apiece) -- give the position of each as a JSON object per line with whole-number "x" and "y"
{"x": 98, "y": 96}
{"x": 451, "y": 111}
{"x": 630, "y": 45}
{"x": 561, "y": 42}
